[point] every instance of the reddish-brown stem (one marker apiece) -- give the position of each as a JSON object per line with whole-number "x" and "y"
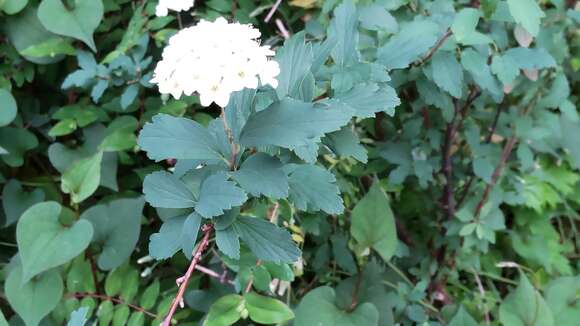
{"x": 436, "y": 47}
{"x": 91, "y": 259}
{"x": 79, "y": 295}
{"x": 195, "y": 257}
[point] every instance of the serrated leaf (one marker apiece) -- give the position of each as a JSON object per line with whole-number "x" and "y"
{"x": 343, "y": 29}
{"x": 116, "y": 225}
{"x": 313, "y": 188}
{"x": 530, "y": 59}
{"x": 266, "y": 240}
{"x": 261, "y": 174}
{"x": 189, "y": 140}
{"x": 178, "y": 232}
{"x": 295, "y": 60}
{"x": 505, "y": 68}
{"x": 265, "y": 310}
{"x": 82, "y": 178}
{"x": 163, "y": 189}
{"x": 447, "y": 73}
{"x": 464, "y": 28}
{"x": 228, "y": 242}
{"x": 526, "y": 13}
{"x": 346, "y": 143}
{"x": 217, "y": 194}
{"x": 44, "y": 243}
{"x": 373, "y": 223}
{"x": 79, "y": 22}
{"x": 412, "y": 41}
{"x": 368, "y": 99}
{"x": 525, "y": 306}
{"x": 476, "y": 65}
{"x": 375, "y": 17}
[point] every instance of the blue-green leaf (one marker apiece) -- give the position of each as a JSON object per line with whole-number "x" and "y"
{"x": 313, "y": 188}
{"x": 179, "y": 232}
{"x": 464, "y": 28}
{"x": 343, "y": 29}
{"x": 228, "y": 242}
{"x": 526, "y": 13}
{"x": 261, "y": 174}
{"x": 295, "y": 59}
{"x": 447, "y": 73}
{"x": 526, "y": 58}
{"x": 217, "y": 194}
{"x": 368, "y": 99}
{"x": 346, "y": 143}
{"x": 476, "y": 65}
{"x": 163, "y": 189}
{"x": 408, "y": 45}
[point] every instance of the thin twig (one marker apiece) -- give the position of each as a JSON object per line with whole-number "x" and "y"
{"x": 93, "y": 271}
{"x": 482, "y": 292}
{"x": 282, "y": 28}
{"x": 184, "y": 280}
{"x": 436, "y": 47}
{"x": 251, "y": 282}
{"x": 213, "y": 274}
{"x": 234, "y": 147}
{"x": 355, "y": 292}
{"x": 79, "y": 295}
{"x": 272, "y": 11}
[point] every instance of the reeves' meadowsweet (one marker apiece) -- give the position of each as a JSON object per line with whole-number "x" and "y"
{"x": 215, "y": 59}
{"x": 164, "y": 6}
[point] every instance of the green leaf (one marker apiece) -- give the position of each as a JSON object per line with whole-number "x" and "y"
{"x": 228, "y": 242}
{"x": 295, "y": 60}
{"x": 318, "y": 308}
{"x": 226, "y": 311}
{"x": 163, "y": 189}
{"x": 414, "y": 40}
{"x": 526, "y": 58}
{"x": 266, "y": 240}
{"x": 464, "y": 28}
{"x": 343, "y": 29}
{"x": 62, "y": 128}
{"x": 265, "y": 310}
{"x": 50, "y": 48}
{"x": 137, "y": 319}
{"x": 346, "y": 143}
{"x": 8, "y": 108}
{"x": 44, "y": 243}
{"x": 217, "y": 194}
{"x": 261, "y": 174}
{"x": 131, "y": 37}
{"x": 373, "y": 223}
{"x": 462, "y": 318}
{"x": 189, "y": 140}
{"x": 368, "y": 99}
{"x": 447, "y": 73}
{"x": 16, "y": 142}
{"x": 476, "y": 64}
{"x": 526, "y": 13}
{"x": 78, "y": 317}
{"x": 79, "y": 22}
{"x": 121, "y": 315}
{"x": 290, "y": 123}
{"x": 375, "y": 17}
{"x": 525, "y": 306}
{"x": 116, "y": 225}
{"x": 562, "y": 297}
{"x": 82, "y": 179}
{"x": 12, "y": 7}
{"x": 120, "y": 134}
{"x": 15, "y": 200}
{"x": 129, "y": 95}
{"x": 505, "y": 68}
{"x": 177, "y": 232}
{"x": 150, "y": 295}
{"x": 33, "y": 299}
{"x": 313, "y": 188}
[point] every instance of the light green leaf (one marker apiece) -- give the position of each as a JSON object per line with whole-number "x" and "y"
{"x": 261, "y": 174}
{"x": 79, "y": 22}
{"x": 526, "y": 58}
{"x": 121, "y": 315}
{"x": 131, "y": 37}
{"x": 464, "y": 28}
{"x": 343, "y": 29}
{"x": 318, "y": 308}
{"x": 120, "y": 134}
{"x": 33, "y": 299}
{"x": 116, "y": 225}
{"x": 368, "y": 99}
{"x": 16, "y": 200}
{"x": 505, "y": 68}
{"x": 189, "y": 140}
{"x": 295, "y": 60}
{"x": 150, "y": 295}
{"x": 63, "y": 127}
{"x": 82, "y": 178}
{"x": 44, "y": 243}
{"x": 476, "y": 64}
{"x": 50, "y": 48}
{"x": 163, "y": 189}
{"x": 525, "y": 307}
{"x": 266, "y": 240}
{"x": 414, "y": 40}
{"x": 8, "y": 108}
{"x": 12, "y": 7}
{"x": 313, "y": 188}
{"x": 447, "y": 73}
{"x": 290, "y": 123}
{"x": 225, "y": 311}
{"x": 462, "y": 318}
{"x": 562, "y": 297}
{"x": 217, "y": 194}
{"x": 265, "y": 310}
{"x": 526, "y": 13}
{"x": 375, "y": 17}
{"x": 373, "y": 223}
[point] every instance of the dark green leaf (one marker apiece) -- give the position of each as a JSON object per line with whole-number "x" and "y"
{"x": 163, "y": 189}
{"x": 261, "y": 174}
{"x": 313, "y": 188}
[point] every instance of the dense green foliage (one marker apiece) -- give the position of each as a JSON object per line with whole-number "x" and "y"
{"x": 418, "y": 164}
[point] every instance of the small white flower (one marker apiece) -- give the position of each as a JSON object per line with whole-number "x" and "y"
{"x": 215, "y": 59}
{"x": 164, "y": 6}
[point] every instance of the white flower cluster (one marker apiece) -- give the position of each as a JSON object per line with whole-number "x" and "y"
{"x": 215, "y": 59}
{"x": 164, "y": 6}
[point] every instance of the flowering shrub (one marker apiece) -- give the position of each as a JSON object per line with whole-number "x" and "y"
{"x": 290, "y": 163}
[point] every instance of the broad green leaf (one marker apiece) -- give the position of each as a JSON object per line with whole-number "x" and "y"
{"x": 120, "y": 134}
{"x": 121, "y": 315}
{"x": 343, "y": 29}
{"x": 476, "y": 64}
{"x": 16, "y": 200}
{"x": 313, "y": 188}
{"x": 178, "y": 232}
{"x": 150, "y": 295}
{"x": 217, "y": 194}
{"x": 318, "y": 308}
{"x": 295, "y": 60}
{"x": 266, "y": 240}
{"x": 290, "y": 123}
{"x": 82, "y": 178}
{"x": 163, "y": 189}
{"x": 571, "y": 139}
{"x": 526, "y": 13}
{"x": 189, "y": 140}
{"x": 265, "y": 310}
{"x": 79, "y": 22}
{"x": 11, "y": 7}
{"x": 16, "y": 141}
{"x": 375, "y": 17}
{"x": 447, "y": 73}
{"x": 137, "y": 319}
{"x": 462, "y": 318}
{"x": 8, "y": 108}
{"x": 408, "y": 45}
{"x": 3, "y": 321}
{"x": 33, "y": 299}
{"x": 50, "y": 48}
{"x": 79, "y": 277}
{"x": 373, "y": 223}
{"x": 505, "y": 68}
{"x": 562, "y": 298}
{"x": 526, "y": 58}
{"x": 116, "y": 225}
{"x": 78, "y": 317}
{"x": 464, "y": 28}
{"x": 44, "y": 243}
{"x": 368, "y": 99}
{"x": 525, "y": 306}
{"x": 261, "y": 174}
{"x": 225, "y": 311}
{"x": 346, "y": 143}
{"x": 239, "y": 109}
{"x": 62, "y": 128}
{"x": 228, "y": 242}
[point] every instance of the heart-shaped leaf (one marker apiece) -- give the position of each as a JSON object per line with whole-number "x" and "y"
{"x": 16, "y": 200}
{"x": 44, "y": 243}
{"x": 79, "y": 22}
{"x": 7, "y": 107}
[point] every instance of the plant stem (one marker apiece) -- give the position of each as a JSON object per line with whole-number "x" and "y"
{"x": 234, "y": 147}
{"x": 79, "y": 295}
{"x": 436, "y": 47}
{"x": 196, "y": 256}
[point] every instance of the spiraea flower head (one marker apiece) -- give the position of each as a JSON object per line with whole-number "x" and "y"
{"x": 215, "y": 59}
{"x": 164, "y": 6}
